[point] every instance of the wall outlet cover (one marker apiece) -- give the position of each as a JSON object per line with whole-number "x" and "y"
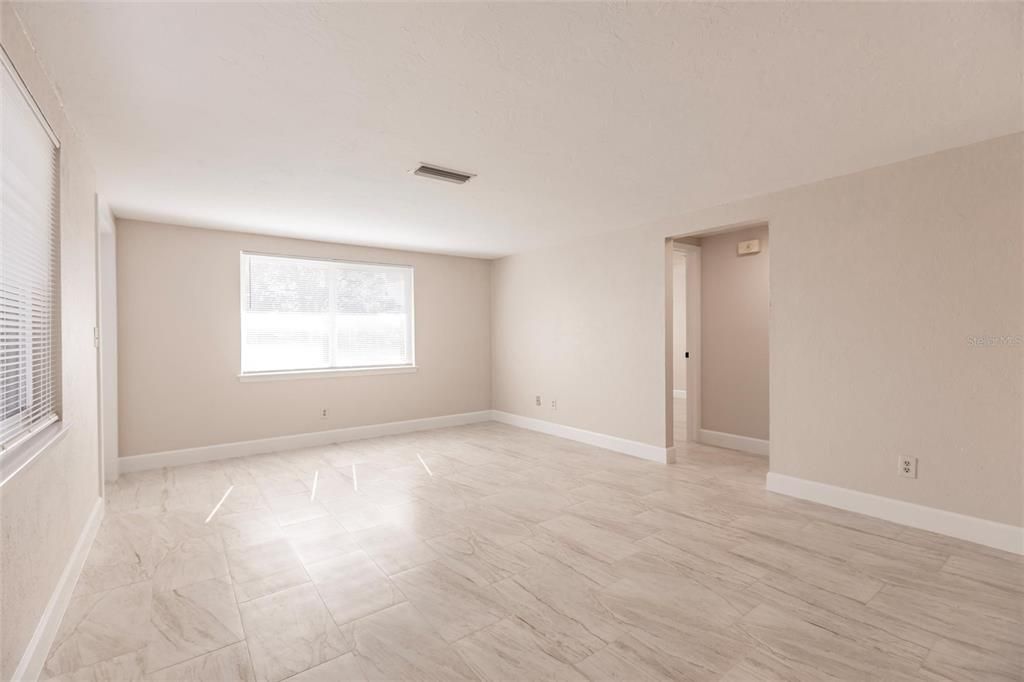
{"x": 907, "y": 467}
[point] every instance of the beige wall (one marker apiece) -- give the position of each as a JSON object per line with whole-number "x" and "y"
{"x": 584, "y": 323}
{"x": 43, "y": 509}
{"x": 878, "y": 280}
{"x": 678, "y": 322}
{"x": 179, "y": 344}
{"x": 734, "y": 335}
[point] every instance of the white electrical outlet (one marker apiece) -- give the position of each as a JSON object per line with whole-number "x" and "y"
{"x": 538, "y": 401}
{"x": 323, "y": 413}
{"x": 554, "y": 404}
{"x": 908, "y": 467}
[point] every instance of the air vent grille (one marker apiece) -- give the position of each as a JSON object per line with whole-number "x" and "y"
{"x": 446, "y": 174}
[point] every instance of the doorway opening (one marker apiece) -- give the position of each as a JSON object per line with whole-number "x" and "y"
{"x": 718, "y": 339}
{"x": 685, "y": 341}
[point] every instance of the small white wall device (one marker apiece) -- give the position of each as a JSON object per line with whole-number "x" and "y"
{"x": 749, "y": 247}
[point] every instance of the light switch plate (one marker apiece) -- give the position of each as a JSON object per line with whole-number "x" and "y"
{"x": 751, "y": 246}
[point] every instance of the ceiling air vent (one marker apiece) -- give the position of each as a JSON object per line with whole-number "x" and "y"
{"x": 446, "y": 174}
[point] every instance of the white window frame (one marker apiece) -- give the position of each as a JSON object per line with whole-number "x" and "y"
{"x": 20, "y": 451}
{"x": 324, "y": 372}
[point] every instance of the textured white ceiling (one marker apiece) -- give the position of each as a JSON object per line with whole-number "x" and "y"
{"x": 304, "y": 119}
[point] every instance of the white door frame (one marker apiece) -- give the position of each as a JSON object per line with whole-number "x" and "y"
{"x": 692, "y": 252}
{"x": 106, "y": 334}
{"x": 693, "y": 335}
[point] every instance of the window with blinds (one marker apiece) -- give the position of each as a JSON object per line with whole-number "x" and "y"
{"x": 303, "y": 314}
{"x": 29, "y": 266}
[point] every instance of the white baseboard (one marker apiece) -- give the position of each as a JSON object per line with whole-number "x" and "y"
{"x": 601, "y": 440}
{"x": 209, "y": 453}
{"x": 30, "y": 667}
{"x": 970, "y": 528}
{"x": 755, "y": 446}
{"x": 679, "y": 393}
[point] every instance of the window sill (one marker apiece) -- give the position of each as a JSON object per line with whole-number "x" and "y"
{"x": 19, "y": 457}
{"x": 325, "y": 373}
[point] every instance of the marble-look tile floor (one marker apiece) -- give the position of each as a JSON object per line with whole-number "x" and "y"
{"x": 493, "y": 553}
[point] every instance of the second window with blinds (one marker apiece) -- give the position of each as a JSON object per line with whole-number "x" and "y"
{"x": 302, "y": 315}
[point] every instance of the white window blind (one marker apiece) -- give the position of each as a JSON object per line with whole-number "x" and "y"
{"x": 304, "y": 314}
{"x": 29, "y": 266}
